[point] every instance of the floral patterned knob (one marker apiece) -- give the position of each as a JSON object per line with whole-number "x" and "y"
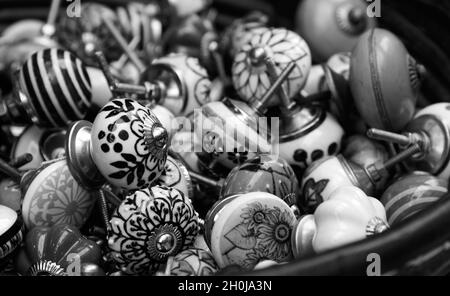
{"x": 176, "y": 175}
{"x": 265, "y": 173}
{"x": 250, "y": 77}
{"x": 129, "y": 144}
{"x": 250, "y": 228}
{"x": 192, "y": 262}
{"x": 11, "y": 231}
{"x": 52, "y": 196}
{"x": 150, "y": 226}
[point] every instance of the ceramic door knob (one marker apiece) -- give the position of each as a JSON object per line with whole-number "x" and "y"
{"x": 10, "y": 195}
{"x": 101, "y": 93}
{"x": 264, "y": 173}
{"x": 129, "y": 144}
{"x": 384, "y": 80}
{"x": 150, "y": 226}
{"x": 176, "y": 175}
{"x": 411, "y": 195}
{"x": 240, "y": 32}
{"x": 307, "y": 135}
{"x": 250, "y": 76}
{"x": 186, "y": 82}
{"x": 52, "y": 196}
{"x": 431, "y": 134}
{"x": 364, "y": 151}
{"x": 53, "y": 89}
{"x": 250, "y": 228}
{"x": 11, "y": 231}
{"x": 303, "y": 235}
{"x": 348, "y": 216}
{"x": 332, "y": 26}
{"x": 87, "y": 33}
{"x": 43, "y": 144}
{"x": 192, "y": 262}
{"x": 51, "y": 250}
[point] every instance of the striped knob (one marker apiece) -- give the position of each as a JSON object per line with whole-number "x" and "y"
{"x": 57, "y": 86}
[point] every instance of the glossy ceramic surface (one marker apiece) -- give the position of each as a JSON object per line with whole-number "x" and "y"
{"x": 54, "y": 197}
{"x": 264, "y": 173}
{"x": 303, "y": 149}
{"x": 176, "y": 175}
{"x": 150, "y": 226}
{"x": 321, "y": 179}
{"x": 166, "y": 117}
{"x": 347, "y": 216}
{"x": 223, "y": 130}
{"x": 57, "y": 247}
{"x": 192, "y": 262}
{"x": 10, "y": 195}
{"x": 326, "y": 26}
{"x": 283, "y": 47}
{"x": 11, "y": 231}
{"x": 129, "y": 144}
{"x": 43, "y": 144}
{"x": 57, "y": 87}
{"x": 441, "y": 111}
{"x": 411, "y": 195}
{"x": 384, "y": 80}
{"x": 250, "y": 228}
{"x": 186, "y": 81}
{"x": 364, "y": 151}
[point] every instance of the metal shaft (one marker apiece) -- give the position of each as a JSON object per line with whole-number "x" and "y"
{"x": 204, "y": 180}
{"x": 259, "y": 105}
{"x": 402, "y": 156}
{"x": 104, "y": 209}
{"x": 49, "y": 28}
{"x": 124, "y": 45}
{"x": 386, "y": 136}
{"x": 21, "y": 160}
{"x": 10, "y": 171}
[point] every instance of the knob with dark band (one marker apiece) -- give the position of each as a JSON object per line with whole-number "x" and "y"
{"x": 323, "y": 177}
{"x": 52, "y": 89}
{"x": 384, "y": 80}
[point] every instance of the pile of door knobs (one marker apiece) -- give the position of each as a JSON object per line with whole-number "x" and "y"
{"x": 141, "y": 140}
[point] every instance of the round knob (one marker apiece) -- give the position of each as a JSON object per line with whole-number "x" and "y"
{"x": 249, "y": 72}
{"x": 411, "y": 195}
{"x": 56, "y": 86}
{"x": 384, "y": 80}
{"x": 53, "y": 197}
{"x": 192, "y": 262}
{"x": 264, "y": 173}
{"x": 331, "y": 27}
{"x": 11, "y": 231}
{"x": 176, "y": 175}
{"x": 150, "y": 226}
{"x": 250, "y": 228}
{"x": 187, "y": 85}
{"x": 129, "y": 144}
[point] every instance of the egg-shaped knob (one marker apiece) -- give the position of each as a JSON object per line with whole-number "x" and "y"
{"x": 192, "y": 262}
{"x": 54, "y": 87}
{"x": 52, "y": 196}
{"x": 411, "y": 195}
{"x": 150, "y": 226}
{"x": 11, "y": 231}
{"x": 252, "y": 227}
{"x": 186, "y": 83}
{"x": 332, "y": 26}
{"x": 129, "y": 144}
{"x": 384, "y": 80}
{"x": 264, "y": 173}
{"x": 250, "y": 71}
{"x": 176, "y": 175}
